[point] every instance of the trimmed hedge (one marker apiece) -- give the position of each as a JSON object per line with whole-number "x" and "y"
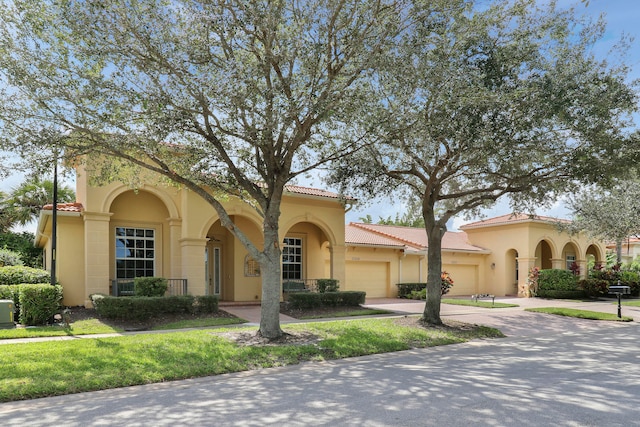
{"x": 327, "y": 299}
{"x": 561, "y": 294}
{"x": 8, "y": 257}
{"x": 39, "y": 303}
{"x": 35, "y": 304}
{"x": 150, "y": 286}
{"x": 327, "y": 285}
{"x": 594, "y": 287}
{"x": 15, "y": 275}
{"x": 557, "y": 280}
{"x": 144, "y": 308}
{"x": 405, "y": 289}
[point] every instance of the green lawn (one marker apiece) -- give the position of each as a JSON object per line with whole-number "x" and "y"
{"x": 95, "y": 326}
{"x": 50, "y": 368}
{"x": 484, "y": 304}
{"x": 582, "y": 314}
{"x": 632, "y": 303}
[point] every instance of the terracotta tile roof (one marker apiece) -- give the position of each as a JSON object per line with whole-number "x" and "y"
{"x": 358, "y": 236}
{"x": 307, "y": 191}
{"x": 512, "y": 219}
{"x": 65, "y": 207}
{"x": 415, "y": 238}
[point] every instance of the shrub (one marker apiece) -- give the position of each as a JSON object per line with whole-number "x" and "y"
{"x": 15, "y": 275}
{"x": 8, "y": 258}
{"x": 327, "y": 285}
{"x": 561, "y": 293}
{"x": 206, "y": 304}
{"x": 144, "y": 308}
{"x": 594, "y": 287}
{"x": 557, "y": 280}
{"x": 38, "y": 303}
{"x": 308, "y": 300}
{"x": 405, "y": 289}
{"x": 150, "y": 286}
{"x": 419, "y": 290}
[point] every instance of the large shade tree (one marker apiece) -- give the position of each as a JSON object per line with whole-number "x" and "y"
{"x": 222, "y": 97}
{"x": 485, "y": 102}
{"x": 611, "y": 214}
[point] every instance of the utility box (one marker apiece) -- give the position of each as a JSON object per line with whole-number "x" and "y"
{"x": 6, "y": 314}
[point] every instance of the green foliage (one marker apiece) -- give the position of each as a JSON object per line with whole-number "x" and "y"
{"x": 206, "y": 304}
{"x": 14, "y": 275}
{"x": 419, "y": 290}
{"x": 23, "y": 244}
{"x": 144, "y": 308}
{"x": 8, "y": 258}
{"x": 560, "y": 293}
{"x": 38, "y": 303}
{"x": 25, "y": 202}
{"x": 328, "y": 299}
{"x": 580, "y": 314}
{"x": 150, "y": 286}
{"x": 327, "y": 285}
{"x": 557, "y": 279}
{"x": 594, "y": 288}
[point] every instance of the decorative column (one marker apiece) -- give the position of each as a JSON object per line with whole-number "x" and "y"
{"x": 175, "y": 250}
{"x": 337, "y": 262}
{"x": 192, "y": 255}
{"x": 524, "y": 266}
{"x": 97, "y": 256}
{"x": 558, "y": 263}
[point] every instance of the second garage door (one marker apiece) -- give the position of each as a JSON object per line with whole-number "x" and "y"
{"x": 370, "y": 277}
{"x": 465, "y": 279}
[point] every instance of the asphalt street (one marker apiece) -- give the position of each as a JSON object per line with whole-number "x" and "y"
{"x": 578, "y": 373}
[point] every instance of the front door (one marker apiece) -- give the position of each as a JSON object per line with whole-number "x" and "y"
{"x": 213, "y": 268}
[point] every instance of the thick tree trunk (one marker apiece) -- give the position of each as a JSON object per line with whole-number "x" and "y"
{"x": 271, "y": 277}
{"x": 435, "y": 232}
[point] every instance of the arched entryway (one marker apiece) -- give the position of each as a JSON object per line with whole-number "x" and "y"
{"x": 594, "y": 257}
{"x": 139, "y": 243}
{"x": 512, "y": 272}
{"x": 570, "y": 258}
{"x": 230, "y": 272}
{"x": 305, "y": 254}
{"x": 544, "y": 255}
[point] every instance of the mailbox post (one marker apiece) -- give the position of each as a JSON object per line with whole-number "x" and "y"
{"x": 619, "y": 290}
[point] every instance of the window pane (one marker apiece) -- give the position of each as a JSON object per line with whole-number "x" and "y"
{"x": 135, "y": 255}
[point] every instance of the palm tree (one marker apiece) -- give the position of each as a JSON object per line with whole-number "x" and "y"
{"x": 25, "y": 201}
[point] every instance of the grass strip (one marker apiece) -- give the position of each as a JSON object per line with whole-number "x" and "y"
{"x": 633, "y": 303}
{"x": 580, "y": 314}
{"x": 199, "y": 323}
{"x": 80, "y": 327}
{"x": 51, "y": 368}
{"x": 484, "y": 304}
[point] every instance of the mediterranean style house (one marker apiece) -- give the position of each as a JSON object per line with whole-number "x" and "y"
{"x": 114, "y": 233}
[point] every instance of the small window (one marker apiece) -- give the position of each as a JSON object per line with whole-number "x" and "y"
{"x": 251, "y": 267}
{"x": 292, "y": 259}
{"x": 571, "y": 258}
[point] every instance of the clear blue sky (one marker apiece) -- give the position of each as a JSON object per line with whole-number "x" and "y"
{"x": 622, "y": 17}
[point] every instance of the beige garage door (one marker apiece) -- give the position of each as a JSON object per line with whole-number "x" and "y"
{"x": 465, "y": 279}
{"x": 371, "y": 277}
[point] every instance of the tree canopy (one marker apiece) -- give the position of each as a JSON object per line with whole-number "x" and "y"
{"x": 482, "y": 103}
{"x": 222, "y": 97}
{"x": 24, "y": 203}
{"x": 611, "y": 214}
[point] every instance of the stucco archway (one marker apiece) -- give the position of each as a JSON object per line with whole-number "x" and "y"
{"x": 512, "y": 272}
{"x": 544, "y": 255}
